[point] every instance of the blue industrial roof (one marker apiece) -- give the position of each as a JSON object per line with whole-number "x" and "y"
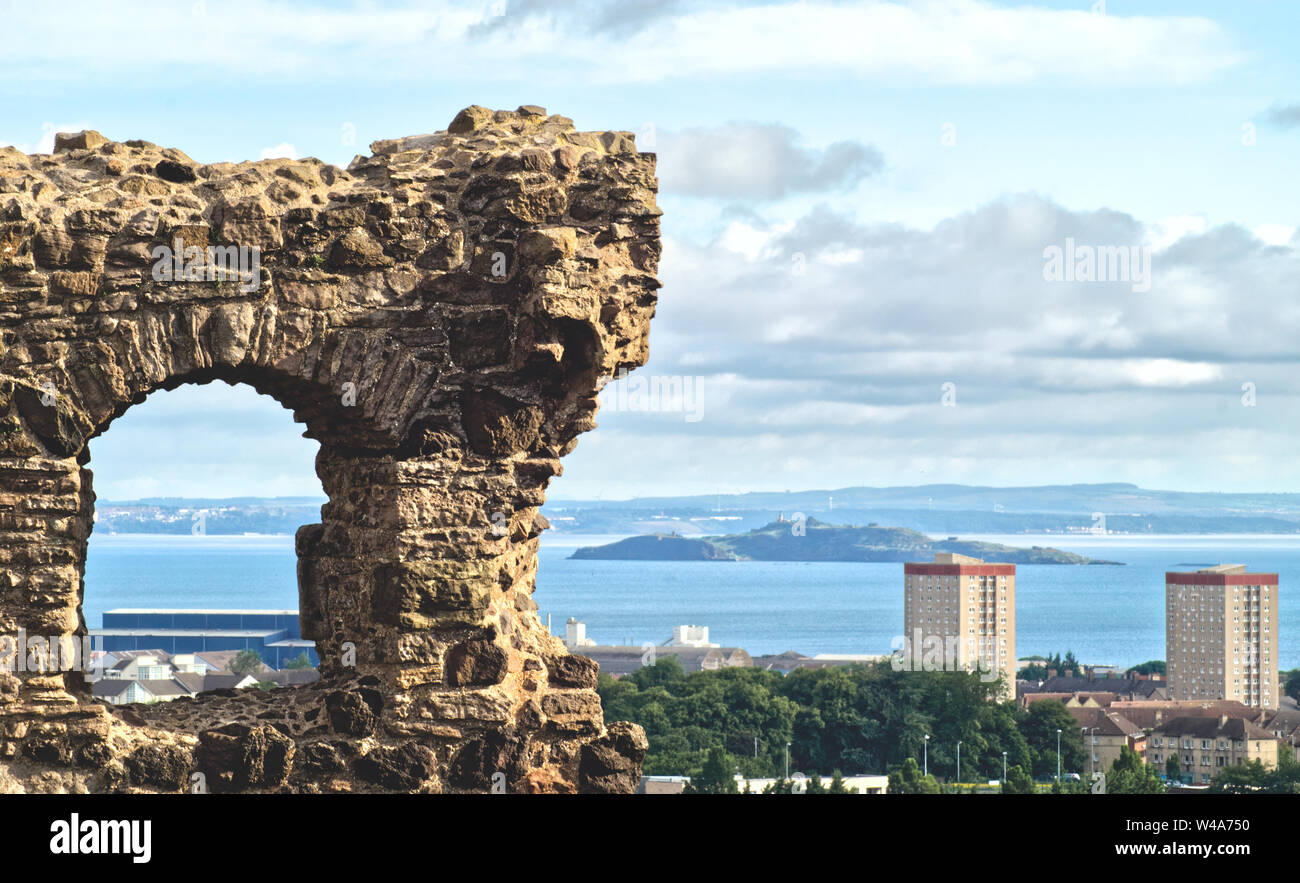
{"x": 201, "y": 610}
{"x": 187, "y": 633}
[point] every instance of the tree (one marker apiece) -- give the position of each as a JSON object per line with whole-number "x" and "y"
{"x": 1292, "y": 687}
{"x": 1017, "y": 782}
{"x": 907, "y": 779}
{"x": 1173, "y": 768}
{"x": 1254, "y": 778}
{"x": 717, "y": 776}
{"x": 302, "y": 660}
{"x": 1286, "y": 778}
{"x": 1046, "y": 716}
{"x": 1151, "y": 667}
{"x": 1240, "y": 778}
{"x": 246, "y": 662}
{"x": 1069, "y": 786}
{"x": 1039, "y": 666}
{"x": 665, "y": 670}
{"x": 1129, "y": 775}
{"x": 859, "y": 719}
{"x": 837, "y": 785}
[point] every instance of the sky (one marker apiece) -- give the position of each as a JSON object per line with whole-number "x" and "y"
{"x": 869, "y": 209}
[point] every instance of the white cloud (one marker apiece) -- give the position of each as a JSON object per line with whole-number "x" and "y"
{"x": 758, "y": 161}
{"x": 942, "y": 41}
{"x": 1274, "y": 234}
{"x": 1170, "y": 372}
{"x": 283, "y": 150}
{"x": 842, "y": 370}
{"x": 937, "y": 41}
{"x": 1164, "y": 232}
{"x": 750, "y": 241}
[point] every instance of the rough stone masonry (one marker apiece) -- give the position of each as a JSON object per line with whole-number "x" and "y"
{"x": 440, "y": 317}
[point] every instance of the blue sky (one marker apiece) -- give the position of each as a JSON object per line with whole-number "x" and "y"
{"x": 915, "y": 157}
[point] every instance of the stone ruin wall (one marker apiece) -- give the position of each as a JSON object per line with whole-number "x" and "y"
{"x": 440, "y": 317}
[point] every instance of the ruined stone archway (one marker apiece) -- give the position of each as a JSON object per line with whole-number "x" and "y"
{"x": 440, "y": 316}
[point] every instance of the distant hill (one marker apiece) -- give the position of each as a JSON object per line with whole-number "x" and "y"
{"x": 782, "y": 541}
{"x": 945, "y": 509}
{"x": 1113, "y": 499}
{"x": 233, "y": 516}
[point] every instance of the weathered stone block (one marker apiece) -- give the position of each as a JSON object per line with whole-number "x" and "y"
{"x": 167, "y": 767}
{"x": 499, "y": 426}
{"x": 237, "y": 757}
{"x": 404, "y": 768}
{"x": 476, "y": 664}
{"x": 612, "y": 763}
{"x": 86, "y": 140}
{"x": 354, "y": 712}
{"x": 571, "y": 670}
{"x": 417, "y": 594}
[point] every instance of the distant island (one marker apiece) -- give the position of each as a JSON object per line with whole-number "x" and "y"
{"x": 814, "y": 540}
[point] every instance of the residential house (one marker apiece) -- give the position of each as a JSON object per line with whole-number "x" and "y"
{"x": 1285, "y": 725}
{"x": 140, "y": 666}
{"x": 1106, "y": 734}
{"x": 1150, "y": 715}
{"x": 1206, "y": 745}
{"x": 195, "y": 683}
{"x": 120, "y": 691}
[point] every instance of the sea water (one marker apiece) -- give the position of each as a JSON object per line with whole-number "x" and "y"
{"x": 1103, "y": 614}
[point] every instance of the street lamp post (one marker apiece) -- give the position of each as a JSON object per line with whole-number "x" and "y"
{"x": 787, "y": 761}
{"x": 959, "y": 761}
{"x": 1058, "y": 755}
{"x": 925, "y": 769}
{"x": 1004, "y": 766}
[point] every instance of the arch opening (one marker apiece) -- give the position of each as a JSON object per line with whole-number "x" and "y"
{"x": 191, "y": 571}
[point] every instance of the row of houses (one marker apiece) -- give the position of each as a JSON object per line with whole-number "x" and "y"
{"x": 691, "y": 647}
{"x": 128, "y": 676}
{"x": 1205, "y": 736}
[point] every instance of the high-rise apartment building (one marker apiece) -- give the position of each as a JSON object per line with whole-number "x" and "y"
{"x": 966, "y": 607}
{"x": 1221, "y": 635}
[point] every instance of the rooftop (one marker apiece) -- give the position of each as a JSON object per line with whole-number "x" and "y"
{"x": 1104, "y": 722}
{"x": 111, "y": 687}
{"x": 164, "y": 687}
{"x": 954, "y": 558}
{"x": 1212, "y": 728}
